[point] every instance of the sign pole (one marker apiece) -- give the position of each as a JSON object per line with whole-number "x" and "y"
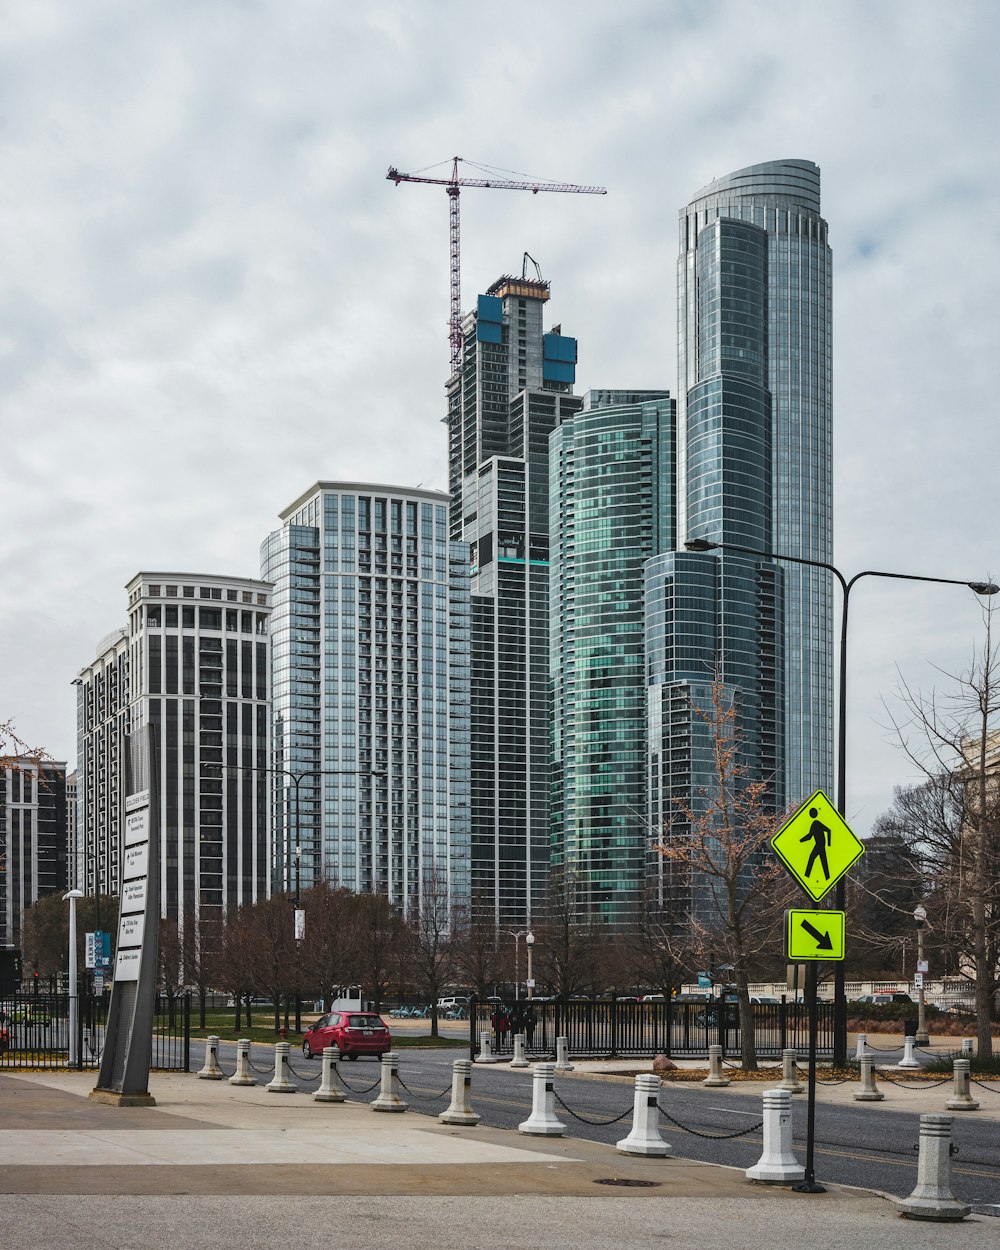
{"x": 809, "y": 1184}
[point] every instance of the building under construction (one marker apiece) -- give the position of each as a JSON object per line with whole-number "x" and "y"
{"x": 512, "y": 387}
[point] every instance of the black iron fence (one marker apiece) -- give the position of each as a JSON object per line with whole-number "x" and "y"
{"x": 35, "y": 1031}
{"x": 613, "y": 1028}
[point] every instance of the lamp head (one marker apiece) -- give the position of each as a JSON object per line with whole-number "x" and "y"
{"x": 529, "y": 939}
{"x": 700, "y": 544}
{"x": 73, "y": 895}
{"x": 920, "y": 914}
{"x": 984, "y": 588}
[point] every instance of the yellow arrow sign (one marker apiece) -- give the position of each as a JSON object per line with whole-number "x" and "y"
{"x": 814, "y": 935}
{"x": 817, "y": 846}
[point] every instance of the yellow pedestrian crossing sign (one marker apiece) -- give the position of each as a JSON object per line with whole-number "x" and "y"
{"x": 813, "y": 934}
{"x": 817, "y": 846}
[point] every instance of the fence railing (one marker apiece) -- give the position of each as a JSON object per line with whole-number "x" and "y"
{"x": 34, "y": 1031}
{"x": 610, "y": 1028}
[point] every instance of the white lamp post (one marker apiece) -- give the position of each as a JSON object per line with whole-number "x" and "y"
{"x": 919, "y": 916}
{"x": 529, "y": 942}
{"x": 73, "y": 895}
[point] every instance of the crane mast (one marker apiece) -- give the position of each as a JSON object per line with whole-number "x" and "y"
{"x": 453, "y": 186}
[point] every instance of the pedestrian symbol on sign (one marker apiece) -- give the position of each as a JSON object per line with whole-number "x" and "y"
{"x": 817, "y": 846}
{"x": 819, "y": 835}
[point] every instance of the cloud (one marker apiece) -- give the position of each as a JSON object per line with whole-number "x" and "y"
{"x": 212, "y": 297}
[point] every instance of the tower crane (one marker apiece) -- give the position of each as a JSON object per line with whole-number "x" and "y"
{"x": 495, "y": 180}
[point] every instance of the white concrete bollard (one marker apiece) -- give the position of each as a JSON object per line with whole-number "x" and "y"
{"x": 789, "y": 1073}
{"x": 908, "y": 1060}
{"x": 519, "y": 1060}
{"x": 388, "y": 1095}
{"x": 460, "y": 1111}
{"x": 645, "y": 1137}
{"x": 961, "y": 1098}
{"x": 242, "y": 1074}
{"x": 933, "y": 1198}
{"x": 562, "y": 1055}
{"x": 778, "y": 1164}
{"x": 543, "y": 1121}
{"x": 281, "y": 1082}
{"x": 862, "y": 1046}
{"x": 211, "y": 1071}
{"x": 486, "y": 1054}
{"x": 869, "y": 1091}
{"x": 328, "y": 1091}
{"x": 715, "y": 1078}
{"x": 967, "y": 1045}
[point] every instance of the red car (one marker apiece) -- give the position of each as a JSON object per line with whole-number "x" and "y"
{"x": 352, "y": 1032}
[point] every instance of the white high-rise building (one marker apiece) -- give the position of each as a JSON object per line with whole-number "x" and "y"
{"x": 371, "y": 690}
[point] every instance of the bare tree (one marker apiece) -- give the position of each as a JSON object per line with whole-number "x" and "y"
{"x": 659, "y": 944}
{"x": 329, "y": 955}
{"x": 201, "y": 946}
{"x": 953, "y": 820}
{"x": 478, "y": 948}
{"x": 568, "y": 944}
{"x": 431, "y": 946}
{"x": 718, "y": 840}
{"x": 379, "y": 936}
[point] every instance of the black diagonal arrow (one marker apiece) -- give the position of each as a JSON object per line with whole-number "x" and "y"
{"x": 823, "y": 940}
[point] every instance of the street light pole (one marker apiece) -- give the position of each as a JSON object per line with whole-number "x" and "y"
{"x": 74, "y": 1056}
{"x": 919, "y": 917}
{"x": 840, "y": 896}
{"x": 517, "y": 935}
{"x": 529, "y": 943}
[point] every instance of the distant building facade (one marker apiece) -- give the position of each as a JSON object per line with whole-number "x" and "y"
{"x": 370, "y": 785}
{"x": 513, "y": 388}
{"x": 32, "y": 840}
{"x": 611, "y": 508}
{"x": 719, "y": 616}
{"x": 194, "y": 662}
{"x": 781, "y": 199}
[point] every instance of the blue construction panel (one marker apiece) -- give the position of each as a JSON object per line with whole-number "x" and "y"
{"x": 558, "y": 371}
{"x": 559, "y": 347}
{"x": 489, "y": 308}
{"x": 488, "y": 332}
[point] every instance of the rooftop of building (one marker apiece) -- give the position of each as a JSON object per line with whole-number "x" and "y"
{"x": 364, "y": 488}
{"x": 529, "y": 288}
{"x": 794, "y": 182}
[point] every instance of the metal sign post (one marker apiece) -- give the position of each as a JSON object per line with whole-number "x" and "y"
{"x": 817, "y": 847}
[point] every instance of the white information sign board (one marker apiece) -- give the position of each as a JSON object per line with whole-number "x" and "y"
{"x": 127, "y": 965}
{"x": 136, "y": 861}
{"x": 137, "y": 827}
{"x": 134, "y": 895}
{"x": 130, "y": 930}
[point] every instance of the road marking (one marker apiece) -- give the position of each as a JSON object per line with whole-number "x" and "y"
{"x": 730, "y": 1111}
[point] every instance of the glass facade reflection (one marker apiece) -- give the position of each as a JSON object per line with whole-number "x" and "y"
{"x": 720, "y": 614}
{"x": 611, "y": 507}
{"x": 513, "y": 388}
{"x": 370, "y": 685}
{"x": 781, "y": 199}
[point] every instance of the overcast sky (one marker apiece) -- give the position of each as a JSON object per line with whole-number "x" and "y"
{"x": 210, "y": 296}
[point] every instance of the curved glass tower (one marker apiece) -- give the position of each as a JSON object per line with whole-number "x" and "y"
{"x": 782, "y": 200}
{"x": 719, "y": 614}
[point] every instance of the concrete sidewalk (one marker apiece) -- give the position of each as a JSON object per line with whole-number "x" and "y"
{"x": 212, "y": 1164}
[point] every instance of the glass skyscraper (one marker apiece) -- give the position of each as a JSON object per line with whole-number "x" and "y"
{"x": 512, "y": 389}
{"x": 611, "y": 507}
{"x": 782, "y": 200}
{"x": 719, "y": 616}
{"x": 370, "y": 688}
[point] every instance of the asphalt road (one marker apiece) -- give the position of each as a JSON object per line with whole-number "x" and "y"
{"x": 855, "y": 1144}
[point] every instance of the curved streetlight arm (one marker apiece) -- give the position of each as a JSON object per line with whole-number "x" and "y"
{"x": 840, "y": 893}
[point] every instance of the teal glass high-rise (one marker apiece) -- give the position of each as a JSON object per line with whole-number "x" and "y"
{"x": 611, "y": 507}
